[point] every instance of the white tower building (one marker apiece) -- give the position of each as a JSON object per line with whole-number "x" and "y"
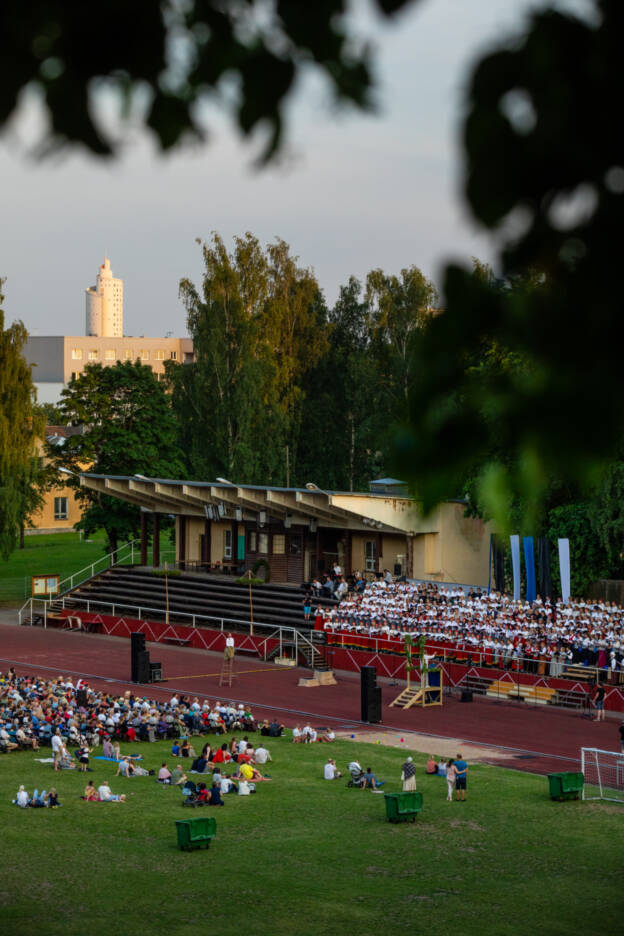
{"x": 105, "y": 305}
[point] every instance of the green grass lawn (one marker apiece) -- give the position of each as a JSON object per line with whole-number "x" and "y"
{"x": 53, "y": 553}
{"x": 307, "y": 856}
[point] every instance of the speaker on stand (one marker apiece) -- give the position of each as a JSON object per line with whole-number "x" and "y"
{"x": 370, "y": 695}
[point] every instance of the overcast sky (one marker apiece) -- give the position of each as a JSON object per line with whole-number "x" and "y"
{"x": 355, "y": 192}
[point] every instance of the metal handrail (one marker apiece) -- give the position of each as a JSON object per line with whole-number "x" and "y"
{"x": 109, "y": 557}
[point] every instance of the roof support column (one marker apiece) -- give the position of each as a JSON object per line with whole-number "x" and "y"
{"x": 182, "y": 542}
{"x": 143, "y": 538}
{"x": 155, "y": 540}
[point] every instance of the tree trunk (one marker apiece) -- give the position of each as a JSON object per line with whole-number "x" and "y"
{"x": 21, "y": 541}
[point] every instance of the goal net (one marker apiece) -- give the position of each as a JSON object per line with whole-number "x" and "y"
{"x": 604, "y": 775}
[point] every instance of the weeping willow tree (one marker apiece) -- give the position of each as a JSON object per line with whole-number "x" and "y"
{"x": 19, "y": 426}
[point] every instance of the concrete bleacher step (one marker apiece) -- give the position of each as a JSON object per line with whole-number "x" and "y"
{"x": 193, "y": 594}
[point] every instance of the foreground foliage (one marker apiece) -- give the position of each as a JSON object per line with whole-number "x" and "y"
{"x": 308, "y": 855}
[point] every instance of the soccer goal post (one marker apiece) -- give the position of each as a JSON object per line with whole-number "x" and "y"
{"x": 604, "y": 775}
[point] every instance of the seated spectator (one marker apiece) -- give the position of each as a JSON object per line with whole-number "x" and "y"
{"x": 215, "y": 796}
{"x": 330, "y": 771}
{"x": 164, "y": 774}
{"x": 176, "y": 749}
{"x": 107, "y": 796}
{"x": 275, "y": 729}
{"x": 297, "y": 734}
{"x": 52, "y": 799}
{"x": 370, "y": 781}
{"x": 262, "y": 754}
{"x": 442, "y": 768}
{"x": 126, "y": 768}
{"x": 222, "y": 755}
{"x": 186, "y": 749}
{"x": 22, "y": 799}
{"x": 432, "y": 767}
{"x": 38, "y": 799}
{"x": 327, "y": 736}
{"x": 178, "y": 777}
{"x": 309, "y": 734}
{"x": 203, "y": 794}
{"x": 90, "y": 793}
{"x": 265, "y": 728}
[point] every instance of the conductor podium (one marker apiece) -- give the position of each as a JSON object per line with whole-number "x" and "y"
{"x": 429, "y": 692}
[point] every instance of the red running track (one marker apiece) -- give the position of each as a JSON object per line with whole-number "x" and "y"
{"x": 539, "y": 740}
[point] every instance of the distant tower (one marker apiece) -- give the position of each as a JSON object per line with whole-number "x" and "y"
{"x": 105, "y": 305}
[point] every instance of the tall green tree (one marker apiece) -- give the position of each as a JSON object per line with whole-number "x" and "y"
{"x": 128, "y": 428}
{"x": 398, "y": 308}
{"x": 344, "y": 402}
{"x": 257, "y": 324}
{"x": 19, "y": 426}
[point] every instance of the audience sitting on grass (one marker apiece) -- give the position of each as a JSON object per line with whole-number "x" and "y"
{"x": 37, "y": 800}
{"x": 34, "y": 710}
{"x": 542, "y": 637}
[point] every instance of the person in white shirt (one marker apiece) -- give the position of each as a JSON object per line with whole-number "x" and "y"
{"x": 57, "y": 749}
{"x": 22, "y": 799}
{"x": 330, "y": 771}
{"x": 262, "y": 755}
{"x": 107, "y": 796}
{"x": 229, "y": 647}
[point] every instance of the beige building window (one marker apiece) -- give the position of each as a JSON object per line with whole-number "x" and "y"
{"x": 253, "y": 541}
{"x": 227, "y": 544}
{"x": 173, "y": 355}
{"x": 371, "y": 555}
{"x": 263, "y": 543}
{"x": 159, "y": 355}
{"x": 144, "y": 354}
{"x": 60, "y": 508}
{"x": 109, "y": 354}
{"x": 279, "y": 544}
{"x": 94, "y": 355}
{"x": 76, "y": 354}
{"x": 128, "y": 356}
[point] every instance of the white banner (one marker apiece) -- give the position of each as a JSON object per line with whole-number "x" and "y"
{"x": 515, "y": 565}
{"x": 564, "y": 568}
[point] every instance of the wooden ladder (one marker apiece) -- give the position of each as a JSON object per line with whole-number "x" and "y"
{"x": 227, "y": 672}
{"x": 407, "y": 698}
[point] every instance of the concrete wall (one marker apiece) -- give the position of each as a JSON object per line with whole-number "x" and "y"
{"x": 464, "y": 546}
{"x": 46, "y": 354}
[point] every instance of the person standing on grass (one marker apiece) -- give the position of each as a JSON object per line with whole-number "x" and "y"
{"x": 451, "y": 776}
{"x": 57, "y": 749}
{"x": 461, "y": 775}
{"x": 408, "y": 776}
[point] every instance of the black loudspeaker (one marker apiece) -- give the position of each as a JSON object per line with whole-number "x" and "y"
{"x": 371, "y": 695}
{"x": 143, "y": 674}
{"x": 466, "y": 695}
{"x": 155, "y": 672}
{"x": 81, "y": 698}
{"x": 137, "y": 647}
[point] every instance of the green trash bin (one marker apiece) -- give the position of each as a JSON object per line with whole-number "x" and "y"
{"x": 195, "y": 833}
{"x": 566, "y": 785}
{"x": 401, "y": 807}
